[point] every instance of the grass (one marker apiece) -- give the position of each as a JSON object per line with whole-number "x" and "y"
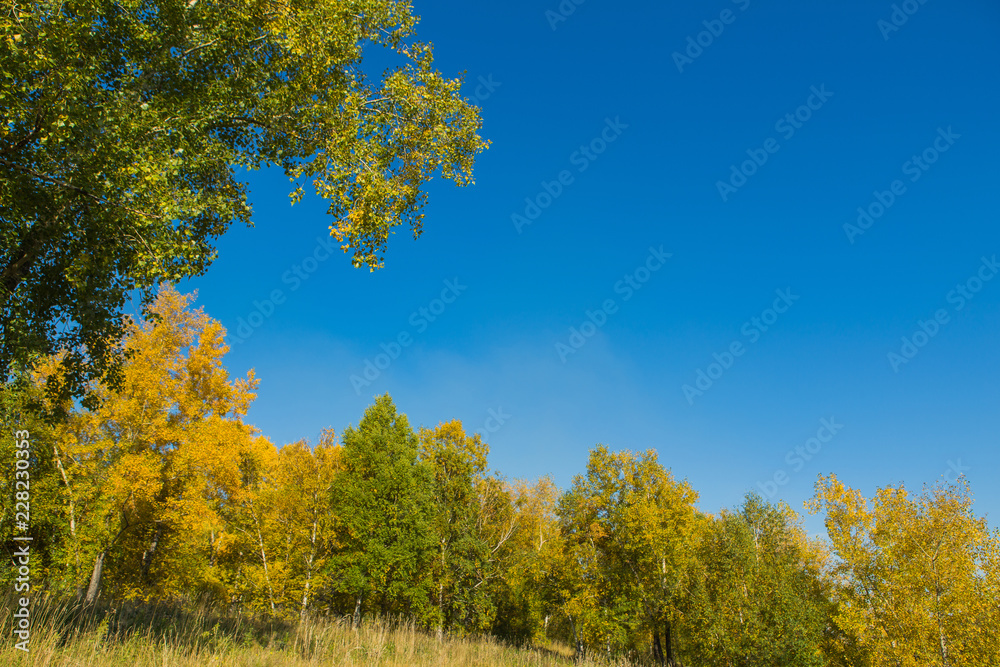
{"x": 66, "y": 634}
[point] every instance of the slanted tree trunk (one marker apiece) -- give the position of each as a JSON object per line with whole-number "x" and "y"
{"x": 94, "y": 589}
{"x": 72, "y": 519}
{"x": 147, "y": 556}
{"x": 263, "y": 554}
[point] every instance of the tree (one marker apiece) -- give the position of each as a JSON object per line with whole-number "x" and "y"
{"x": 457, "y": 464}
{"x": 124, "y": 126}
{"x": 306, "y": 478}
{"x": 29, "y": 476}
{"x": 382, "y": 503}
{"x": 526, "y": 589}
{"x": 146, "y": 474}
{"x": 757, "y": 596}
{"x": 282, "y": 525}
{"x": 631, "y": 529}
{"x": 921, "y": 576}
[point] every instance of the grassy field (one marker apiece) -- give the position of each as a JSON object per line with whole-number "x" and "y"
{"x": 143, "y": 636}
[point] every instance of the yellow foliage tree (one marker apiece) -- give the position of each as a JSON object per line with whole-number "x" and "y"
{"x": 920, "y": 575}
{"x": 146, "y": 474}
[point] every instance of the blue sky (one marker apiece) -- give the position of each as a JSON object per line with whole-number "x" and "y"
{"x": 742, "y": 157}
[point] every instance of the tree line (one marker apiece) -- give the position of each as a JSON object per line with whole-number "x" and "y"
{"x": 158, "y": 489}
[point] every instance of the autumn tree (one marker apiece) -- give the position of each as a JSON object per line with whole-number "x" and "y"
{"x": 125, "y": 126}
{"x": 146, "y": 474}
{"x": 282, "y": 526}
{"x": 382, "y": 503}
{"x": 631, "y": 530}
{"x": 921, "y": 575}
{"x": 26, "y": 465}
{"x": 305, "y": 481}
{"x": 526, "y": 591}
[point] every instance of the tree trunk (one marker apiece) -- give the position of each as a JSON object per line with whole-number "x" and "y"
{"x": 941, "y": 637}
{"x": 668, "y": 646}
{"x": 147, "y": 556}
{"x": 657, "y": 648}
{"x": 305, "y": 593}
{"x": 94, "y": 589}
{"x": 267, "y": 575}
{"x": 313, "y": 537}
{"x": 72, "y": 520}
{"x": 577, "y": 644}
{"x": 356, "y": 622}
{"x": 263, "y": 555}
{"x": 440, "y": 627}
{"x": 95, "y": 578}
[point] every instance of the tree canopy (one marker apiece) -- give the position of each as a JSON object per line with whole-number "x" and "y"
{"x": 126, "y": 125}
{"x": 162, "y": 491}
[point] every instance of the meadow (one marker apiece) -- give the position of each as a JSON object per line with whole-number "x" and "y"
{"x": 65, "y": 633}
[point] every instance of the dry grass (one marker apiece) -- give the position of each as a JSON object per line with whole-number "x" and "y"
{"x": 142, "y": 636}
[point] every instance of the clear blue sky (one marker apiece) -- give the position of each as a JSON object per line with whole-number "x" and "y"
{"x": 865, "y": 100}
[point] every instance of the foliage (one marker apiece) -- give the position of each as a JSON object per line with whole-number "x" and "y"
{"x": 757, "y": 597}
{"x": 163, "y": 493}
{"x": 630, "y": 528}
{"x": 920, "y": 575}
{"x": 457, "y": 465}
{"x": 382, "y": 503}
{"x": 125, "y": 127}
{"x": 147, "y": 475}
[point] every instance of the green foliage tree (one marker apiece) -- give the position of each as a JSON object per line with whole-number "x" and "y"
{"x": 757, "y": 596}
{"x": 125, "y": 125}
{"x": 457, "y": 464}
{"x": 26, "y": 435}
{"x": 382, "y": 501}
